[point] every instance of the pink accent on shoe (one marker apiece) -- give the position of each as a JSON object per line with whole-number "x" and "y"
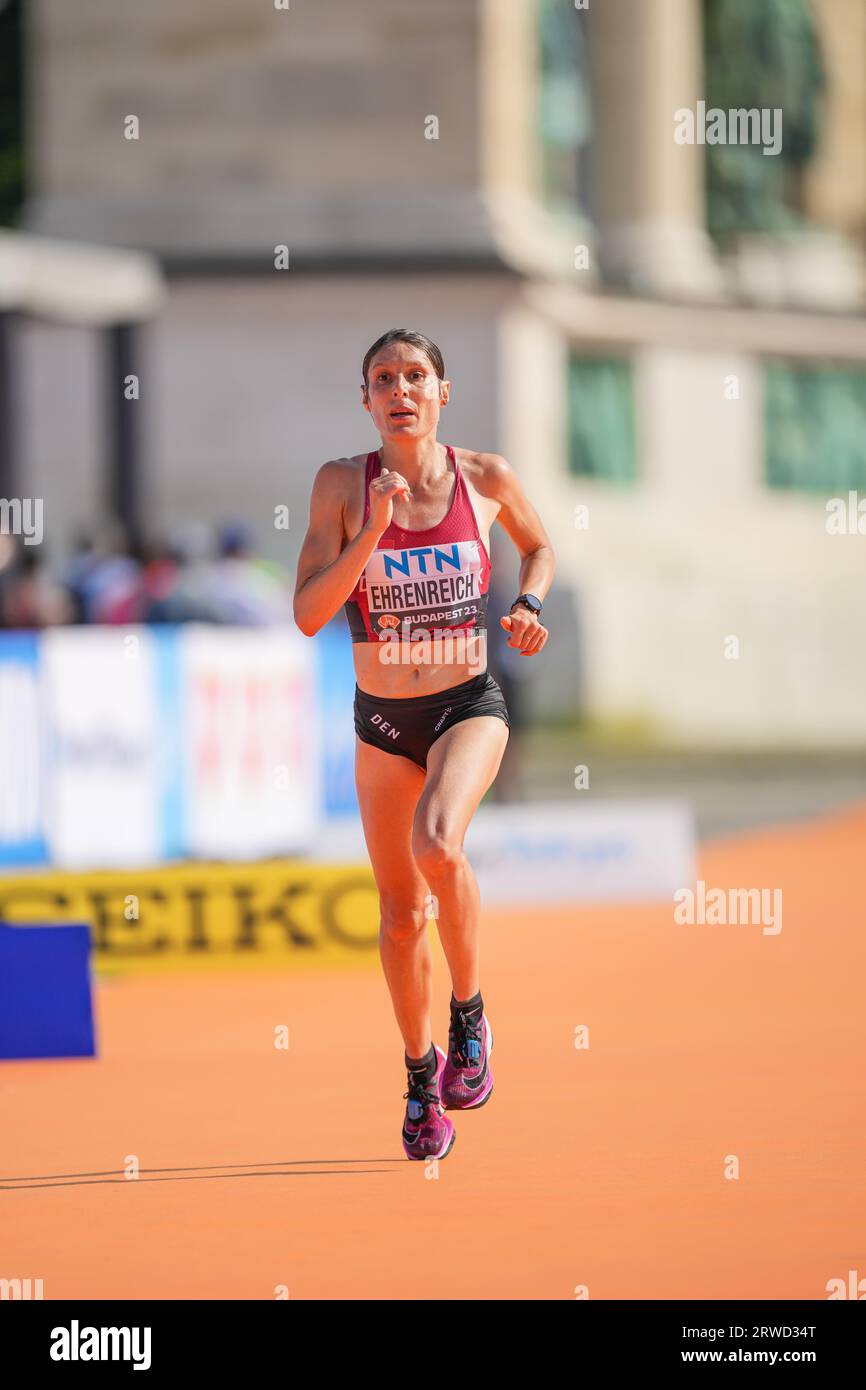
{"x": 468, "y": 1087}
{"x": 433, "y": 1135}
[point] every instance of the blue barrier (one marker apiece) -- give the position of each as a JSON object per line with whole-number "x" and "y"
{"x": 22, "y": 756}
{"x": 46, "y": 1006}
{"x": 336, "y": 687}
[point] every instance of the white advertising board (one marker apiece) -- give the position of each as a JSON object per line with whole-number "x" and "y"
{"x": 556, "y": 852}
{"x": 250, "y": 741}
{"x": 103, "y": 794}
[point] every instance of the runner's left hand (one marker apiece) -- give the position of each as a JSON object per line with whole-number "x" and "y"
{"x": 527, "y": 632}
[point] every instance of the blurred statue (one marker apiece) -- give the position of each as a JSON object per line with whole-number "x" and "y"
{"x": 565, "y": 106}
{"x": 761, "y": 55}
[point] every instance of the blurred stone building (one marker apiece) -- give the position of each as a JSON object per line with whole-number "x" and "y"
{"x": 665, "y": 339}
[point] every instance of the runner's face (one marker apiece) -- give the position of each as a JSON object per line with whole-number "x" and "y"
{"x": 405, "y": 395}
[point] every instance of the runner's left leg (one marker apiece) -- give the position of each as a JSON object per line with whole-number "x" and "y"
{"x": 461, "y": 765}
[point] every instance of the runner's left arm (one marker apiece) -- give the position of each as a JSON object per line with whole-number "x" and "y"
{"x": 522, "y": 523}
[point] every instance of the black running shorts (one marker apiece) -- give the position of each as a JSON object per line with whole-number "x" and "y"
{"x": 408, "y": 725}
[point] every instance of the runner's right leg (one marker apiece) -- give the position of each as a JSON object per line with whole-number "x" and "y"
{"x": 388, "y": 790}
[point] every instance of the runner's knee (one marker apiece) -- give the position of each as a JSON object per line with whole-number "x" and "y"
{"x": 401, "y": 920}
{"x": 436, "y": 853}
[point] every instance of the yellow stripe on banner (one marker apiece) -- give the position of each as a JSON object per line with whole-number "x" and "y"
{"x": 281, "y": 912}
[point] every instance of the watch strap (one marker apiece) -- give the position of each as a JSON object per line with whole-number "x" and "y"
{"x": 530, "y": 601}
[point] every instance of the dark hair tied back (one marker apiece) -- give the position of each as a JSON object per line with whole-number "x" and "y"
{"x": 405, "y": 335}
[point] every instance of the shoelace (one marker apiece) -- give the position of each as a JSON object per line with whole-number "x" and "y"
{"x": 425, "y": 1092}
{"x": 463, "y": 1030}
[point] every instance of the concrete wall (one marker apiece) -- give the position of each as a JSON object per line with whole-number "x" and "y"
{"x": 60, "y": 376}
{"x": 257, "y": 126}
{"x": 247, "y": 386}
{"x": 256, "y": 384}
{"x": 698, "y": 551}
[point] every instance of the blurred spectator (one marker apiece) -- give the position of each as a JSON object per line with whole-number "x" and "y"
{"x": 7, "y": 562}
{"x": 31, "y": 596}
{"x": 117, "y": 579}
{"x": 181, "y": 579}
{"x": 77, "y": 571}
{"x": 160, "y": 569}
{"x": 247, "y": 589}
{"x": 103, "y": 578}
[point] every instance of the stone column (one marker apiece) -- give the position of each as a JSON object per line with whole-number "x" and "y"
{"x": 124, "y": 479}
{"x": 650, "y": 204}
{"x": 10, "y": 469}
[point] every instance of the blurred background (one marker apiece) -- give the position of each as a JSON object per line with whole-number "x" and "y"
{"x": 211, "y": 210}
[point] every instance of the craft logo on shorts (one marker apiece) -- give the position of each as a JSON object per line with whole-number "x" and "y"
{"x": 442, "y": 718}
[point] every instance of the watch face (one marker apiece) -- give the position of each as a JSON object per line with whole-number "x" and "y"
{"x": 530, "y": 602}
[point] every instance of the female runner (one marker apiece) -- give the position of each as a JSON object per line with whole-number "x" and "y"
{"x": 401, "y": 537}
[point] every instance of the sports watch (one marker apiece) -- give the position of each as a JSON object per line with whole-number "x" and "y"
{"x": 530, "y": 601}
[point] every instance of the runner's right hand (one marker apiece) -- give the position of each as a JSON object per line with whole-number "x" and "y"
{"x": 383, "y": 490}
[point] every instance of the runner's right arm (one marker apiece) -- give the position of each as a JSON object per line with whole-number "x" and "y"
{"x": 326, "y": 573}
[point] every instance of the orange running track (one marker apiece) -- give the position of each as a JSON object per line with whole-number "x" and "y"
{"x": 601, "y": 1167}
